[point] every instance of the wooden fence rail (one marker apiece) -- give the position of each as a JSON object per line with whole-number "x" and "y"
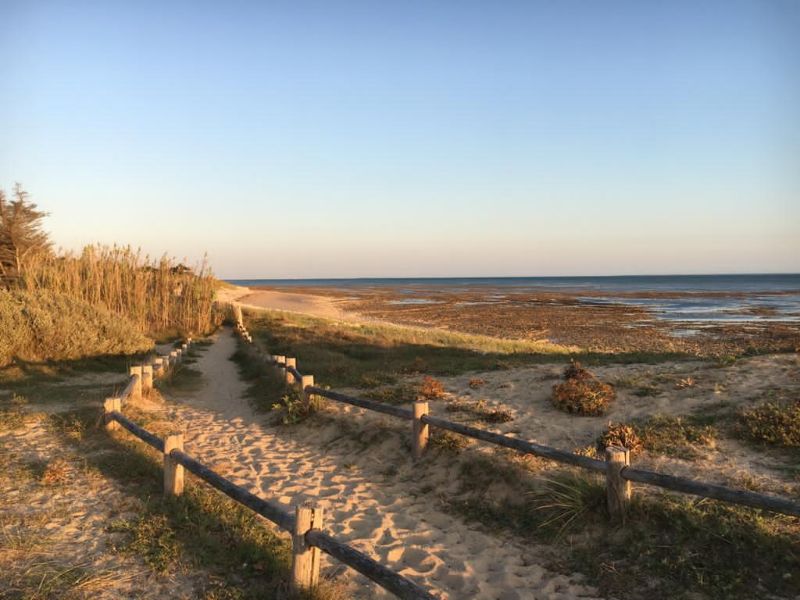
{"x": 616, "y": 466}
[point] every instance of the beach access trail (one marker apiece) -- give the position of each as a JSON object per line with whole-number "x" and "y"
{"x": 365, "y": 494}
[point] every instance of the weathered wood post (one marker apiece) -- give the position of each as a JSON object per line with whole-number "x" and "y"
{"x": 147, "y": 378}
{"x": 137, "y": 387}
{"x": 305, "y": 558}
{"x": 173, "y": 472}
{"x": 305, "y": 381}
{"x": 290, "y": 362}
{"x": 618, "y": 489}
{"x": 158, "y": 367}
{"x": 420, "y": 429}
{"x": 237, "y": 315}
{"x": 281, "y": 365}
{"x": 174, "y": 357}
{"x": 110, "y": 405}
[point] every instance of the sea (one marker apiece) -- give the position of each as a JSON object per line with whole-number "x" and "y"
{"x": 691, "y": 299}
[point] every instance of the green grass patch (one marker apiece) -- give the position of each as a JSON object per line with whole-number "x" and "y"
{"x": 370, "y": 356}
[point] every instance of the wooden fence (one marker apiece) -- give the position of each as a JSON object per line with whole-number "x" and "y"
{"x": 305, "y": 525}
{"x": 616, "y": 466}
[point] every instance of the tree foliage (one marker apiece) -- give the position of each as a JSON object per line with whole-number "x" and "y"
{"x": 21, "y": 234}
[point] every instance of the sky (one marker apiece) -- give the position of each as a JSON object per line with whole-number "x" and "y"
{"x": 410, "y": 139}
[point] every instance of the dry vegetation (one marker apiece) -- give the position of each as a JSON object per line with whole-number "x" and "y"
{"x": 105, "y": 300}
{"x": 581, "y": 392}
{"x": 775, "y": 423}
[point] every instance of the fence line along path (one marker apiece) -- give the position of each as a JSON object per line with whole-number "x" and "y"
{"x": 391, "y": 520}
{"x": 304, "y": 523}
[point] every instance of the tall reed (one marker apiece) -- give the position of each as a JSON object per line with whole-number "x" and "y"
{"x": 157, "y": 296}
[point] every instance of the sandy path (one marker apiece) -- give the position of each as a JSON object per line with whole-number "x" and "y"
{"x": 364, "y": 505}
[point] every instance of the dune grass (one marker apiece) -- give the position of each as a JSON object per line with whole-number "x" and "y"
{"x": 670, "y": 547}
{"x": 343, "y": 354}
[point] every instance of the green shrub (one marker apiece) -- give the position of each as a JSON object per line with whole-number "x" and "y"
{"x": 582, "y": 393}
{"x": 295, "y": 407}
{"x": 771, "y": 423}
{"x": 44, "y": 326}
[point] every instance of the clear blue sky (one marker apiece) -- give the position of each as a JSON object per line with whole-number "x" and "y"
{"x": 463, "y": 138}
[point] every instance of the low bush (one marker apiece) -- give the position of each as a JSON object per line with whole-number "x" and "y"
{"x": 431, "y": 389}
{"x": 44, "y": 326}
{"x": 620, "y": 434}
{"x": 582, "y": 393}
{"x": 776, "y": 423}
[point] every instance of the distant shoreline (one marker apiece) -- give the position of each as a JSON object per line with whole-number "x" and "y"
{"x": 732, "y": 283}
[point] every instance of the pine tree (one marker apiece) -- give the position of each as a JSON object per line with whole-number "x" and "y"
{"x": 21, "y": 234}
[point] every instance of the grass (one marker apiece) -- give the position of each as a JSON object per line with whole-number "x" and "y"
{"x": 771, "y": 423}
{"x": 671, "y": 546}
{"x": 370, "y": 356}
{"x": 373, "y": 356}
{"x": 479, "y": 411}
{"x": 679, "y": 437}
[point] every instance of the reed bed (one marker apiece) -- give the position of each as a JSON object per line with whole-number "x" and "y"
{"x": 159, "y": 296}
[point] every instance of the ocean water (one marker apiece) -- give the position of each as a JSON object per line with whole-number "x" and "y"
{"x": 700, "y": 299}
{"x": 769, "y": 283}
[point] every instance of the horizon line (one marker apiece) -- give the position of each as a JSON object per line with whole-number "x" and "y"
{"x": 435, "y": 277}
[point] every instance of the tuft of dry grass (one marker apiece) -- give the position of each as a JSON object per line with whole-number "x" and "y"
{"x": 582, "y": 393}
{"x": 431, "y": 389}
{"x": 479, "y": 411}
{"x": 660, "y": 434}
{"x": 57, "y": 472}
{"x": 774, "y": 423}
{"x": 621, "y": 434}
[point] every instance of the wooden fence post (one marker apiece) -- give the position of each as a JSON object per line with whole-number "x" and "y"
{"x": 137, "y": 388}
{"x": 110, "y": 405}
{"x": 305, "y": 558}
{"x": 306, "y": 381}
{"x": 420, "y": 429}
{"x": 147, "y": 377}
{"x": 158, "y": 367}
{"x": 174, "y": 357}
{"x": 281, "y": 365}
{"x": 173, "y": 472}
{"x": 618, "y": 490}
{"x": 290, "y": 362}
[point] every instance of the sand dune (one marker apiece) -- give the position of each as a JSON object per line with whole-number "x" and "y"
{"x": 305, "y": 304}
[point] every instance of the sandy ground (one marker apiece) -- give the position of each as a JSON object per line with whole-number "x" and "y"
{"x": 54, "y": 532}
{"x": 306, "y": 304}
{"x": 526, "y": 393}
{"x": 372, "y": 498}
